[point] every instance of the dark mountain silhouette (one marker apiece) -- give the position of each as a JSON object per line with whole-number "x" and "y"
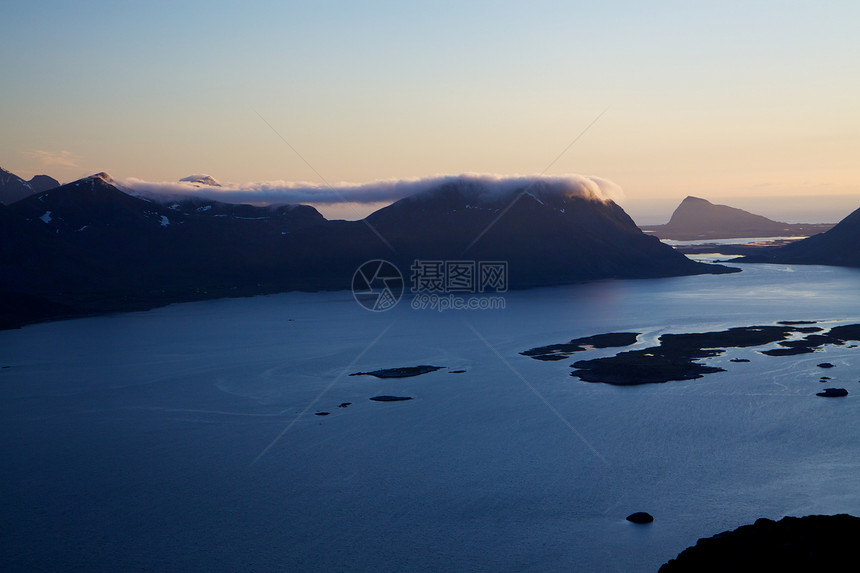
{"x": 41, "y": 183}
{"x": 13, "y": 188}
{"x": 89, "y": 247}
{"x": 838, "y": 247}
{"x": 547, "y": 237}
{"x": 544, "y": 237}
{"x": 697, "y": 218}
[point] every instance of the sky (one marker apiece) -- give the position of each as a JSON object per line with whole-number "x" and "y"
{"x": 731, "y": 101}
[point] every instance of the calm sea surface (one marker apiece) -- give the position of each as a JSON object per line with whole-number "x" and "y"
{"x": 186, "y": 438}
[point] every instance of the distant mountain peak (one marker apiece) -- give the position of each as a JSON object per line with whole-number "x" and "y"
{"x": 201, "y": 180}
{"x": 697, "y": 218}
{"x": 695, "y": 213}
{"x": 41, "y": 183}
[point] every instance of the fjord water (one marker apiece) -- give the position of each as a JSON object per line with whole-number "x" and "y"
{"x": 185, "y": 438}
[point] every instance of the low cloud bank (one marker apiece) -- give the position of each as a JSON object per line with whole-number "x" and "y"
{"x": 384, "y": 191}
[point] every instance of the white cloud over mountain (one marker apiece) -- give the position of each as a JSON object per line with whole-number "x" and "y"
{"x": 383, "y": 191}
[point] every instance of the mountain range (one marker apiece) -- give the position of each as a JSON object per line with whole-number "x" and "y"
{"x": 89, "y": 246}
{"x": 699, "y": 219}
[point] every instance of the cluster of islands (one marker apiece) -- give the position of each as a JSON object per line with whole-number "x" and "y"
{"x": 677, "y": 356}
{"x": 389, "y": 373}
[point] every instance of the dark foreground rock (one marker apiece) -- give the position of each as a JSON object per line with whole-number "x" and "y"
{"x": 811, "y": 543}
{"x": 640, "y": 517}
{"x": 833, "y": 393}
{"x": 402, "y": 372}
{"x": 391, "y": 398}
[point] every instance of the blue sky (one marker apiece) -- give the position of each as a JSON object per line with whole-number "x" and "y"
{"x": 704, "y": 98}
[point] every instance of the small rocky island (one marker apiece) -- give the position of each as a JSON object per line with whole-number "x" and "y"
{"x": 391, "y": 398}
{"x": 401, "y": 372}
{"x": 833, "y": 393}
{"x": 640, "y": 518}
